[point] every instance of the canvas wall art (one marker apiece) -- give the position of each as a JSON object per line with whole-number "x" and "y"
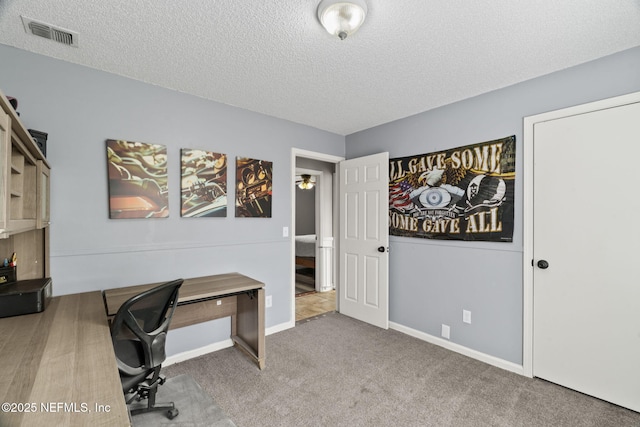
{"x": 203, "y": 184}
{"x": 253, "y": 188}
{"x": 138, "y": 184}
{"x": 464, "y": 193}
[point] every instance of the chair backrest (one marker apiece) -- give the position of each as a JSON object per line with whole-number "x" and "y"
{"x": 140, "y": 327}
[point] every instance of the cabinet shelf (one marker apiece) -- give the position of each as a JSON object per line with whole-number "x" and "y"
{"x": 17, "y": 158}
{"x": 24, "y": 197}
{"x": 24, "y": 177}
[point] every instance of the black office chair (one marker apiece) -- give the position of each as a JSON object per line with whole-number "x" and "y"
{"x": 139, "y": 331}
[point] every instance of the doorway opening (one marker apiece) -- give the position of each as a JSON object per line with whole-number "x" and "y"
{"x": 306, "y": 184}
{"x": 314, "y": 227}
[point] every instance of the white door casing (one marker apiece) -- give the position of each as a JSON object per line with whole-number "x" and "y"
{"x": 583, "y": 304}
{"x": 364, "y": 239}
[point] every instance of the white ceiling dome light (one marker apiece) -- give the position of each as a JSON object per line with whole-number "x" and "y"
{"x": 342, "y": 18}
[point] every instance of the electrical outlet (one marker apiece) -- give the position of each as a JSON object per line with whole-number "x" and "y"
{"x": 466, "y": 316}
{"x": 268, "y": 301}
{"x": 445, "y": 331}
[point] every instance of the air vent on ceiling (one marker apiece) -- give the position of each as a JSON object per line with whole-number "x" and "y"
{"x": 48, "y": 31}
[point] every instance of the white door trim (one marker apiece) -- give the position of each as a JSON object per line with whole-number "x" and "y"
{"x": 295, "y": 153}
{"x": 527, "y": 257}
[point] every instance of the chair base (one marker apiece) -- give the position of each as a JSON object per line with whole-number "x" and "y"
{"x": 170, "y": 408}
{"x": 147, "y": 391}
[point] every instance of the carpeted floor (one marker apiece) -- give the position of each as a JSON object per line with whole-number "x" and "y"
{"x": 337, "y": 371}
{"x": 196, "y": 407}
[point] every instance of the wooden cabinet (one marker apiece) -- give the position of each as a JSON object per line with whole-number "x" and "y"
{"x": 20, "y": 203}
{"x": 24, "y": 196}
{"x": 24, "y": 177}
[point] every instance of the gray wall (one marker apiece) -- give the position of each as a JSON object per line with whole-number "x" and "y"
{"x": 323, "y": 226}
{"x": 305, "y": 211}
{"x": 431, "y": 282}
{"x": 80, "y": 108}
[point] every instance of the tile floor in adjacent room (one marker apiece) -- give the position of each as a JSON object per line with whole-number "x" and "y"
{"x": 314, "y": 304}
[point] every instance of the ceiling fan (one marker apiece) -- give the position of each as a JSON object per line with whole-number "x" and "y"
{"x": 305, "y": 181}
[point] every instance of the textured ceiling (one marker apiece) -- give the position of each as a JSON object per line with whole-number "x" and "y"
{"x": 273, "y": 57}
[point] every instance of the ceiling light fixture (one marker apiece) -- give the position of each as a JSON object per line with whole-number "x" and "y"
{"x": 342, "y": 18}
{"x": 306, "y": 183}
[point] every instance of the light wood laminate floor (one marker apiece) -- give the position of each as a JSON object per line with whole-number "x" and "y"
{"x": 315, "y": 304}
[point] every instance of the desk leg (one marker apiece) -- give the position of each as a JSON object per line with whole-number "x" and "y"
{"x": 234, "y": 323}
{"x": 249, "y": 326}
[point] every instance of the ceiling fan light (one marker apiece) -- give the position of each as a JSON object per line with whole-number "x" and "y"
{"x": 342, "y": 18}
{"x": 306, "y": 183}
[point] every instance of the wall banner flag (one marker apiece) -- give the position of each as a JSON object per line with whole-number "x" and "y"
{"x": 464, "y": 193}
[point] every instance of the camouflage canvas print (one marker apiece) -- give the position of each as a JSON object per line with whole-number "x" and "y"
{"x": 137, "y": 180}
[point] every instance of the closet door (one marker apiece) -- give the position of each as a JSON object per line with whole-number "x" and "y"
{"x": 586, "y": 242}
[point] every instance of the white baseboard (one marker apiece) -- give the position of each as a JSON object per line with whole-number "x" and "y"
{"x": 190, "y": 354}
{"x": 474, "y": 354}
{"x": 200, "y": 351}
{"x": 279, "y": 328}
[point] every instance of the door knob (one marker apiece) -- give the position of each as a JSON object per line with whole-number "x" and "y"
{"x": 381, "y": 249}
{"x": 543, "y": 264}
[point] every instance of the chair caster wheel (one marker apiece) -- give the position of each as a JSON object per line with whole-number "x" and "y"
{"x": 172, "y": 413}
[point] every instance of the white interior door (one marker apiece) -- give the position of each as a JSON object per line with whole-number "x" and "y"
{"x": 364, "y": 239}
{"x": 586, "y": 244}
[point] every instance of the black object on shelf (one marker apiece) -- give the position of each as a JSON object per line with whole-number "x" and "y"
{"x": 7, "y": 275}
{"x": 41, "y": 139}
{"x": 14, "y": 104}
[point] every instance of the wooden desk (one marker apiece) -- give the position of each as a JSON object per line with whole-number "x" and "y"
{"x": 60, "y": 365}
{"x": 213, "y": 297}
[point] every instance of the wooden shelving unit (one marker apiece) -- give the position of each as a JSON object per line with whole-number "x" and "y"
{"x": 24, "y": 197}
